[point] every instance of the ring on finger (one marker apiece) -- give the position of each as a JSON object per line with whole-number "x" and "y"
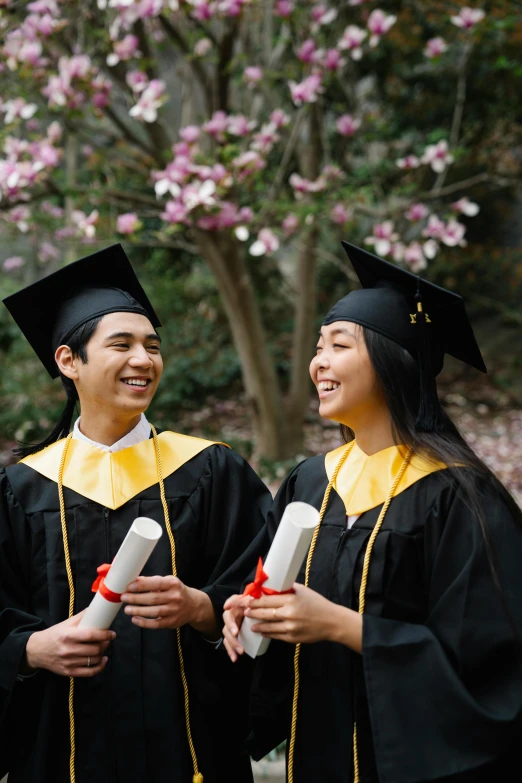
{"x": 88, "y": 661}
{"x": 275, "y": 614}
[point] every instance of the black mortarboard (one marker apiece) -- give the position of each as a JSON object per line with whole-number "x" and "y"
{"x": 390, "y": 302}
{"x": 50, "y": 310}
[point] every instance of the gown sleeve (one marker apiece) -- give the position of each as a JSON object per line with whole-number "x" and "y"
{"x": 16, "y": 621}
{"x": 232, "y": 504}
{"x": 445, "y": 697}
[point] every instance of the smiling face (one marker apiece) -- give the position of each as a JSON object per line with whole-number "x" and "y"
{"x": 341, "y": 370}
{"x": 123, "y": 368}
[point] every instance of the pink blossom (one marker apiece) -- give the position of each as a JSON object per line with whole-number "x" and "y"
{"x": 169, "y": 180}
{"x": 414, "y": 257}
{"x": 248, "y": 163}
{"x": 435, "y": 47}
{"x": 340, "y": 214}
{"x": 290, "y": 224}
{"x": 51, "y": 209}
{"x": 175, "y": 212}
{"x": 437, "y": 156}
{"x": 30, "y": 52}
{"x": 453, "y": 233}
{"x": 124, "y": 50}
{"x": 44, "y": 153}
{"x": 253, "y": 75}
{"x": 137, "y": 80}
{"x": 203, "y": 10}
{"x": 468, "y": 18}
{"x": 279, "y": 118}
{"x": 347, "y": 125}
{"x": 48, "y": 252}
{"x": 333, "y": 60}
{"x": 190, "y": 133}
{"x": 409, "y": 162}
{"x": 227, "y": 215}
{"x": 284, "y": 8}
{"x": 351, "y": 40}
{"x": 302, "y": 185}
{"x": 127, "y": 223}
{"x": 217, "y": 173}
{"x": 44, "y": 7}
{"x": 306, "y": 51}
{"x": 12, "y": 263}
{"x": 382, "y": 238}
{"x": 266, "y": 138}
{"x": 54, "y": 132}
{"x": 266, "y": 243}
{"x": 20, "y": 216}
{"x": 430, "y": 248}
{"x": 150, "y": 100}
{"x": 322, "y": 15}
{"x": 239, "y": 125}
{"x": 332, "y": 173}
{"x": 217, "y": 125}
{"x": 379, "y": 24}
{"x": 76, "y": 67}
{"x": 417, "y": 212}
{"x": 466, "y": 207}
{"x": 307, "y": 91}
{"x": 199, "y": 194}
{"x": 18, "y": 108}
{"x": 203, "y": 46}
{"x": 86, "y": 224}
{"x": 435, "y": 227}
{"x": 231, "y": 7}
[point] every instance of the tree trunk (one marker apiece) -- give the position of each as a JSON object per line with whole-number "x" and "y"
{"x": 303, "y": 338}
{"x": 225, "y": 259}
{"x": 310, "y": 155}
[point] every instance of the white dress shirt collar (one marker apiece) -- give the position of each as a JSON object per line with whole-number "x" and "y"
{"x": 140, "y": 433}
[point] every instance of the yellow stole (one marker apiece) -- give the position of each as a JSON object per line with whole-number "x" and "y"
{"x": 364, "y": 482}
{"x": 113, "y": 479}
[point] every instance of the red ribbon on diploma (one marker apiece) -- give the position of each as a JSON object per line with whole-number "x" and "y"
{"x": 100, "y": 586}
{"x": 256, "y": 589}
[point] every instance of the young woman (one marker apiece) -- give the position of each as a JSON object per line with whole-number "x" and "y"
{"x": 398, "y": 657}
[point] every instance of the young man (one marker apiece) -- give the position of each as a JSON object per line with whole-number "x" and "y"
{"x": 152, "y": 699}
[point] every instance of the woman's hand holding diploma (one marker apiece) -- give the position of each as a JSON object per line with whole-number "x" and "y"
{"x": 302, "y": 616}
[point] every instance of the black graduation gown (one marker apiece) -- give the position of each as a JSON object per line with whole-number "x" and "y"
{"x": 130, "y": 723}
{"x": 437, "y": 692}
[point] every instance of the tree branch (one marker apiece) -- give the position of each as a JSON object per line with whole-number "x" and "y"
{"x": 130, "y": 135}
{"x": 287, "y": 154}
{"x": 226, "y": 50}
{"x": 177, "y": 38}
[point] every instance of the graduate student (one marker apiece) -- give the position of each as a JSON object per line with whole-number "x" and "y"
{"x": 151, "y": 699}
{"x": 400, "y": 661}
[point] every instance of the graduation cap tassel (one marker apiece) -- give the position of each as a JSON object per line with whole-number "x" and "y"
{"x": 429, "y": 417}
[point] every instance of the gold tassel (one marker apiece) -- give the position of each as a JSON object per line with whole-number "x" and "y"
{"x": 198, "y": 778}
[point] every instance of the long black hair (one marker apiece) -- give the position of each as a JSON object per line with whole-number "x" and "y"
{"x": 398, "y": 375}
{"x": 77, "y": 342}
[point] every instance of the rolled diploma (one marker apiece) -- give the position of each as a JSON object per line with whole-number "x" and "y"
{"x": 132, "y": 555}
{"x": 289, "y": 547}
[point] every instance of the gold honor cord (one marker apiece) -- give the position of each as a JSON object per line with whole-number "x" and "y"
{"x": 70, "y": 580}
{"x": 197, "y": 777}
{"x": 362, "y": 597}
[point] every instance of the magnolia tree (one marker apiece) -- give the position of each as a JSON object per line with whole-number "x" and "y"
{"x": 238, "y": 130}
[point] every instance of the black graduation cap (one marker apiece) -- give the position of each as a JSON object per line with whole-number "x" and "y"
{"x": 50, "y": 310}
{"x": 425, "y": 319}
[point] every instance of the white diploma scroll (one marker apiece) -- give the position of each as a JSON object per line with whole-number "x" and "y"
{"x": 289, "y": 547}
{"x": 143, "y": 535}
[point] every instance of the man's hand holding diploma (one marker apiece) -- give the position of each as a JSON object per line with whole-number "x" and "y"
{"x": 165, "y": 602}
